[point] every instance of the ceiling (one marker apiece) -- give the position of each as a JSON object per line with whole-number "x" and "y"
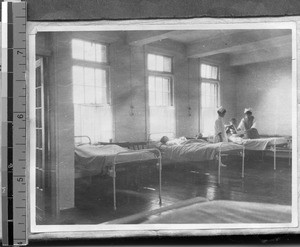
{"x": 194, "y": 36}
{"x": 242, "y": 46}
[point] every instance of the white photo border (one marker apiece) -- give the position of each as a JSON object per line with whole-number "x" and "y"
{"x": 191, "y": 24}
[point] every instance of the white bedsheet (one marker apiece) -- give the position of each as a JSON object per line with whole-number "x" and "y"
{"x": 258, "y": 144}
{"x": 97, "y": 158}
{"x": 196, "y": 150}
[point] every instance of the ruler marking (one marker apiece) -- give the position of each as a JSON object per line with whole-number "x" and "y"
{"x": 13, "y": 186}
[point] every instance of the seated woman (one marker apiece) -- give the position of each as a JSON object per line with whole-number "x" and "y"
{"x": 248, "y": 125}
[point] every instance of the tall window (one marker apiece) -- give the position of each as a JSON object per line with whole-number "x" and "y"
{"x": 92, "y": 110}
{"x": 209, "y": 95}
{"x": 160, "y": 92}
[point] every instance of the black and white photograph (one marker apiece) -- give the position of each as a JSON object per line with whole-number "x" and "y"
{"x": 149, "y": 122}
{"x": 150, "y": 126}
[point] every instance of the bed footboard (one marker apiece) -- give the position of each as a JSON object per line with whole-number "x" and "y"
{"x": 222, "y": 153}
{"x": 156, "y": 156}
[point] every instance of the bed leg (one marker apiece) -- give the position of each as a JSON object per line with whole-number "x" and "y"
{"x": 114, "y": 187}
{"x": 219, "y": 169}
{"x": 274, "y": 155}
{"x": 243, "y": 162}
{"x": 290, "y": 156}
{"x": 160, "y": 168}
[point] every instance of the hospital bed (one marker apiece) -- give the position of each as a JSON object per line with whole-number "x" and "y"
{"x": 106, "y": 159}
{"x": 273, "y": 144}
{"x": 195, "y": 150}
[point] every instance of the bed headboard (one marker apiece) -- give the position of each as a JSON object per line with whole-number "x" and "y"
{"x": 82, "y": 140}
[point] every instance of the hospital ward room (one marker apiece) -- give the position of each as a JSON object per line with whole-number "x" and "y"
{"x": 163, "y": 127}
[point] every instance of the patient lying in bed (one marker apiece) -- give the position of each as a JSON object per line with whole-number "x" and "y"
{"x": 178, "y": 141}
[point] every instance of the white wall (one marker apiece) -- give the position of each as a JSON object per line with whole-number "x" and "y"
{"x": 266, "y": 87}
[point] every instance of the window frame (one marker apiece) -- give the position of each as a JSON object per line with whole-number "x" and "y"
{"x": 213, "y": 65}
{"x": 171, "y": 79}
{"x": 206, "y": 80}
{"x": 96, "y": 65}
{"x": 162, "y": 55}
{"x": 168, "y": 75}
{"x": 162, "y": 74}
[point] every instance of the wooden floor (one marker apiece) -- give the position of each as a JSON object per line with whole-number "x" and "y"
{"x": 135, "y": 194}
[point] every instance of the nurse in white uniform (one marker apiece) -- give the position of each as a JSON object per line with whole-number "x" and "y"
{"x": 220, "y": 133}
{"x": 248, "y": 125}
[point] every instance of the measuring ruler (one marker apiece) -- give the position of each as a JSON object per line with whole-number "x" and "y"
{"x": 13, "y": 124}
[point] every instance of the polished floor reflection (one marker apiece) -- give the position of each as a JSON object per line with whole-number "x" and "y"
{"x": 138, "y": 192}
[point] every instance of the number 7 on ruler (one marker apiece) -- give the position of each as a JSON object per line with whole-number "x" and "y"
{"x": 13, "y": 123}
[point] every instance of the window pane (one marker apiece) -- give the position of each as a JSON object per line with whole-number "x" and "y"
{"x": 203, "y": 70}
{"x": 39, "y": 118}
{"x": 159, "y": 91}
{"x": 38, "y": 99}
{"x": 100, "y": 95}
{"x": 38, "y": 79}
{"x": 151, "y": 62}
{"x": 89, "y": 76}
{"x": 78, "y": 94}
{"x": 167, "y": 64}
{"x": 39, "y": 158}
{"x": 89, "y": 51}
{"x": 209, "y": 98}
{"x": 152, "y": 98}
{"x": 214, "y": 74}
{"x": 78, "y": 75}
{"x": 159, "y": 99}
{"x": 89, "y": 95}
{"x": 166, "y": 100}
{"x": 101, "y": 53}
{"x": 209, "y": 71}
{"x": 77, "y": 49}
{"x": 151, "y": 83}
{"x": 165, "y": 85}
{"x": 158, "y": 84}
{"x": 100, "y": 78}
{"x": 159, "y": 63}
{"x": 39, "y": 138}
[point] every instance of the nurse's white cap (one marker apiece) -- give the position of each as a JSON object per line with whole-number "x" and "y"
{"x": 248, "y": 109}
{"x": 221, "y": 109}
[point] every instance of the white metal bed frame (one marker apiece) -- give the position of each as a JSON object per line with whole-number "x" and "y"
{"x": 275, "y": 149}
{"x": 113, "y": 170}
{"x": 220, "y": 155}
{"x": 115, "y": 163}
